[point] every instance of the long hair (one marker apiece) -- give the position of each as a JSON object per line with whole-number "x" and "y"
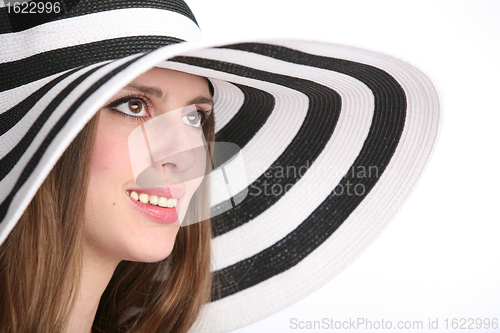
{"x": 41, "y": 260}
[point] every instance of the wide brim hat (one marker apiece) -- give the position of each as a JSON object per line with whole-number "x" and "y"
{"x": 335, "y": 137}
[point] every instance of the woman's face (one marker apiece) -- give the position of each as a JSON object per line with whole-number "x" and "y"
{"x": 118, "y": 226}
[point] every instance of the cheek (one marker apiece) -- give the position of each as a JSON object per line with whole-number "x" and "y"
{"x": 110, "y": 153}
{"x": 109, "y": 171}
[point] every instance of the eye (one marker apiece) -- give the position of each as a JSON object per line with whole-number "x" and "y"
{"x": 193, "y": 119}
{"x": 133, "y": 107}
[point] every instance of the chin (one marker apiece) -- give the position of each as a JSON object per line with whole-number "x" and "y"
{"x": 151, "y": 250}
{"x": 151, "y": 258}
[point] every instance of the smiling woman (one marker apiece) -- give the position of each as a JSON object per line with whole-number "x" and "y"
{"x": 114, "y": 233}
{"x": 127, "y": 149}
{"x": 118, "y": 226}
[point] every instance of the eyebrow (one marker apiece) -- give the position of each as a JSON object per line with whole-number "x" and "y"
{"x": 200, "y": 100}
{"x": 162, "y": 96}
{"x": 153, "y": 91}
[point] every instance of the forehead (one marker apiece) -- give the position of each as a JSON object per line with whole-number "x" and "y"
{"x": 161, "y": 83}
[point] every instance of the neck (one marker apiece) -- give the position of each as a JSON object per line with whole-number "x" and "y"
{"x": 96, "y": 274}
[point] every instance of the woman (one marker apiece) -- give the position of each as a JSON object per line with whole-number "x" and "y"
{"x": 87, "y": 244}
{"x": 98, "y": 227}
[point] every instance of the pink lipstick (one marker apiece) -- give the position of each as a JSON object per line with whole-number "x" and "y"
{"x": 161, "y": 204}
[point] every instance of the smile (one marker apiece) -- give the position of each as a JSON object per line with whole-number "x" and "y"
{"x": 160, "y": 204}
{"x": 153, "y": 200}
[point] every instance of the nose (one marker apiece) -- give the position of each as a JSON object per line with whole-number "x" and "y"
{"x": 166, "y": 150}
{"x": 178, "y": 150}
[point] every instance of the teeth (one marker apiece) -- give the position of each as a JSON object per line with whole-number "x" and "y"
{"x": 134, "y": 195}
{"x": 153, "y": 199}
{"x": 144, "y": 198}
{"x": 170, "y": 203}
{"x": 162, "y": 202}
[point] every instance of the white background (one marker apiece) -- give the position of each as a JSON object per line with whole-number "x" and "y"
{"x": 440, "y": 257}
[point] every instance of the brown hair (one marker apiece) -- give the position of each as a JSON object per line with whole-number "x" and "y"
{"x": 40, "y": 262}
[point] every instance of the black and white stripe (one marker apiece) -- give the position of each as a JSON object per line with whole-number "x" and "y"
{"x": 326, "y": 109}
{"x": 331, "y": 165}
{"x": 12, "y": 22}
{"x": 316, "y": 130}
{"x": 112, "y": 37}
{"x": 272, "y": 250}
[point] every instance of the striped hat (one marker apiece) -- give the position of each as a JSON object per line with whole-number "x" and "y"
{"x": 335, "y": 137}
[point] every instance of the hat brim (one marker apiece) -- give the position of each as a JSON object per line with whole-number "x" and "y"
{"x": 312, "y": 119}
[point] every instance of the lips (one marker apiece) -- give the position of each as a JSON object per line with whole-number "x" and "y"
{"x": 169, "y": 197}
